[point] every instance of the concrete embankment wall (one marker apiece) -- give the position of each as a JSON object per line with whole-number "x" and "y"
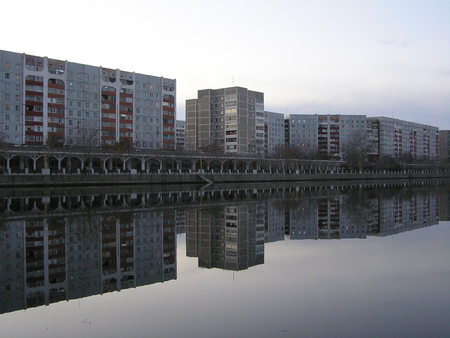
{"x": 141, "y": 179}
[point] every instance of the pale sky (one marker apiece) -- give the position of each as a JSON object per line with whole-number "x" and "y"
{"x": 374, "y": 57}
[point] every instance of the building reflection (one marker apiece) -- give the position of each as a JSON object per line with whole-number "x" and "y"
{"x": 62, "y": 248}
{"x": 229, "y": 237}
{"x": 46, "y": 260}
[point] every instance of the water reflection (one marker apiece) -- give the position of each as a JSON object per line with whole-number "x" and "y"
{"x": 72, "y": 245}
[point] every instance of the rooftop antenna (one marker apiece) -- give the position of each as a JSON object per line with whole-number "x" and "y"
{"x": 232, "y": 80}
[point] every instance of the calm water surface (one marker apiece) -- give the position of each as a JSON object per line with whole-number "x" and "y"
{"x": 329, "y": 260}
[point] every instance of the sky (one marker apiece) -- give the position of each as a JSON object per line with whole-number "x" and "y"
{"x": 374, "y": 57}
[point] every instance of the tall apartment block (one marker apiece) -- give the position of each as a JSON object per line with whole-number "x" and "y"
{"x": 228, "y": 120}
{"x": 398, "y": 138}
{"x": 180, "y": 134}
{"x": 45, "y": 101}
{"x": 333, "y": 135}
{"x": 444, "y": 145}
{"x": 273, "y": 132}
{"x": 230, "y": 237}
{"x": 49, "y": 259}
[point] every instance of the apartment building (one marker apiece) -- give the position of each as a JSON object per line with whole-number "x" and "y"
{"x": 273, "y": 132}
{"x": 45, "y": 101}
{"x": 444, "y": 145}
{"x": 332, "y": 135}
{"x": 49, "y": 259}
{"x": 399, "y": 138}
{"x": 226, "y": 120}
{"x": 180, "y": 134}
{"x": 229, "y": 237}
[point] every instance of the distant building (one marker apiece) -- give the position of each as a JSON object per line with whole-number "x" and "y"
{"x": 332, "y": 135}
{"x": 398, "y": 139}
{"x": 46, "y": 260}
{"x": 45, "y": 101}
{"x": 180, "y": 134}
{"x": 226, "y": 120}
{"x": 230, "y": 237}
{"x": 444, "y": 145}
{"x": 273, "y": 132}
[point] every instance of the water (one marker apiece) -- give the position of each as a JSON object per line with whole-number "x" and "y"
{"x": 336, "y": 259}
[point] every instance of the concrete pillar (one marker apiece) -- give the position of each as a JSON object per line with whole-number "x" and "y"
{"x": 59, "y": 163}
{"x": 142, "y": 165}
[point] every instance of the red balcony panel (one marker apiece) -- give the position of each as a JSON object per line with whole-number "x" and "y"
{"x": 112, "y": 102}
{"x": 35, "y": 133}
{"x": 56, "y": 105}
{"x": 108, "y": 119}
{"x": 30, "y": 92}
{"x": 108, "y": 111}
{"x": 126, "y": 95}
{"x": 58, "y": 134}
{"x": 108, "y": 92}
{"x": 125, "y": 130}
{"x": 55, "y": 85}
{"x": 34, "y": 83}
{"x": 126, "y": 104}
{"x": 34, "y": 103}
{"x": 58, "y": 115}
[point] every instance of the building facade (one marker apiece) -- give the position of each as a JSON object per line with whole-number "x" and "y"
{"x": 180, "y": 134}
{"x": 331, "y": 135}
{"x": 273, "y": 132}
{"x": 46, "y": 101}
{"x": 226, "y": 120}
{"x": 403, "y": 139}
{"x": 444, "y": 145}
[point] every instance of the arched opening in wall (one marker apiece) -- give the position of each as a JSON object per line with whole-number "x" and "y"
{"x": 200, "y": 165}
{"x": 3, "y": 166}
{"x": 229, "y": 165}
{"x": 215, "y": 165}
{"x": 253, "y": 165}
{"x": 133, "y": 163}
{"x": 134, "y": 201}
{"x": 169, "y": 164}
{"x": 113, "y": 164}
{"x": 21, "y": 164}
{"x": 240, "y": 165}
{"x": 185, "y": 165}
{"x": 94, "y": 164}
{"x": 153, "y": 165}
{"x": 71, "y": 164}
{"x": 264, "y": 165}
{"x": 53, "y": 204}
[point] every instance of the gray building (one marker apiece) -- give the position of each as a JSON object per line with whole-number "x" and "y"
{"x": 45, "y": 101}
{"x": 444, "y": 145}
{"x": 180, "y": 134}
{"x": 230, "y": 237}
{"x": 398, "y": 138}
{"x": 227, "y": 120}
{"x": 332, "y": 135}
{"x": 274, "y": 135}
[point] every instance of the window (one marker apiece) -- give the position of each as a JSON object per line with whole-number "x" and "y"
{"x": 6, "y": 75}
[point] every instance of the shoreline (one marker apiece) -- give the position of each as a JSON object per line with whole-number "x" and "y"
{"x": 202, "y": 178}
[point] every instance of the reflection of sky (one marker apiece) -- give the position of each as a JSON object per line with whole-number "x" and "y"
{"x": 391, "y": 286}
